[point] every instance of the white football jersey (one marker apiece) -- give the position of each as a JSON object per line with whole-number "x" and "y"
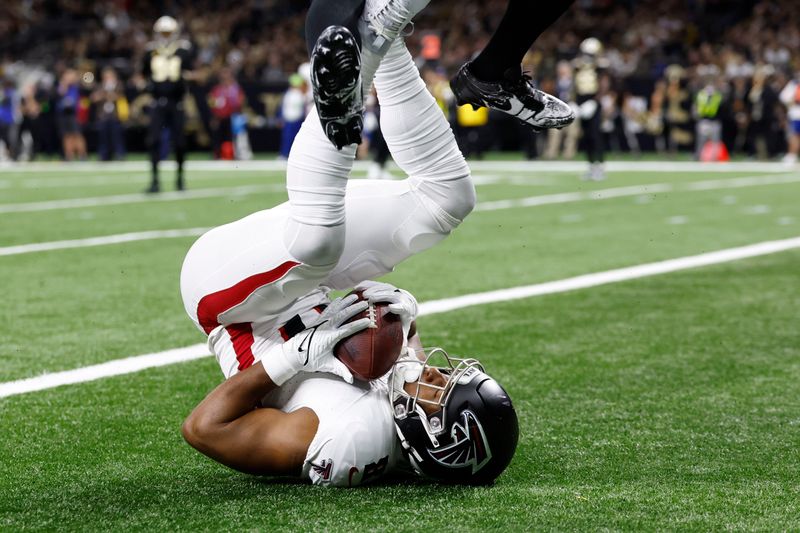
{"x": 356, "y": 440}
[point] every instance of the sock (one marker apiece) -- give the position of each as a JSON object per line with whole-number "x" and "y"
{"x": 154, "y": 172}
{"x": 521, "y": 25}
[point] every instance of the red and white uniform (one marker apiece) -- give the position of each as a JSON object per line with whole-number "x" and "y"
{"x": 356, "y": 440}
{"x": 243, "y": 288}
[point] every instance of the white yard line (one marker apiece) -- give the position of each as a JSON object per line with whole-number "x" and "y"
{"x": 610, "y": 276}
{"x": 531, "y": 201}
{"x": 141, "y": 362}
{"x": 638, "y": 190}
{"x": 489, "y": 166}
{"x": 100, "y": 241}
{"x": 125, "y": 180}
{"x": 115, "y": 367}
{"x": 557, "y": 198}
{"x": 172, "y": 196}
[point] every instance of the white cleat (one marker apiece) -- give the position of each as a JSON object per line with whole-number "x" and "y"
{"x": 383, "y": 21}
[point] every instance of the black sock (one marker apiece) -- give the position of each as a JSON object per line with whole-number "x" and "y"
{"x": 154, "y": 172}
{"x": 179, "y": 158}
{"x": 522, "y": 24}
{"x": 324, "y": 13}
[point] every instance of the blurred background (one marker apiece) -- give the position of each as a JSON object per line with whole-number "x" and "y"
{"x": 664, "y": 67}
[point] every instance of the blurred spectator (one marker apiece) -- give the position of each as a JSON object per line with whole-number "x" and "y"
{"x": 226, "y": 100}
{"x": 564, "y": 142}
{"x": 678, "y": 114}
{"x": 111, "y": 109}
{"x": 707, "y": 106}
{"x": 9, "y": 104}
{"x": 264, "y": 41}
{"x": 790, "y": 96}
{"x": 72, "y": 140}
{"x": 293, "y": 112}
{"x": 761, "y": 100}
{"x": 29, "y": 136}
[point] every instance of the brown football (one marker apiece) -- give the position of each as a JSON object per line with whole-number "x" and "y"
{"x": 370, "y": 353}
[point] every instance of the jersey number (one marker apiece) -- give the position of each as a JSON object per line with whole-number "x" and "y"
{"x": 166, "y": 68}
{"x": 375, "y": 470}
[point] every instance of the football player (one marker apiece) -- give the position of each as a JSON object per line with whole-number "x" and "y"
{"x": 588, "y": 68}
{"x": 272, "y": 326}
{"x": 167, "y": 66}
{"x": 337, "y": 29}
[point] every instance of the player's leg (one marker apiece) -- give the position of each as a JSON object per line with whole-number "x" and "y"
{"x": 154, "y": 144}
{"x": 493, "y": 79}
{"x": 387, "y": 222}
{"x": 316, "y": 180}
{"x": 179, "y": 139}
{"x": 419, "y": 137}
{"x": 325, "y": 13}
{"x": 523, "y": 22}
{"x": 341, "y": 68}
{"x": 240, "y": 272}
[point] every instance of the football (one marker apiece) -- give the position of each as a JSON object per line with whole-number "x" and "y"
{"x": 370, "y": 353}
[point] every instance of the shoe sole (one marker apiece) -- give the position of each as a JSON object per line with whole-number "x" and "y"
{"x": 336, "y": 77}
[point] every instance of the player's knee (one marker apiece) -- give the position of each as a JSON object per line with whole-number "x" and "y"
{"x": 455, "y": 196}
{"x": 463, "y": 199}
{"x": 315, "y": 245}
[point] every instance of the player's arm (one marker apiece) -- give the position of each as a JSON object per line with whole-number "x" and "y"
{"x": 228, "y": 427}
{"x": 188, "y": 57}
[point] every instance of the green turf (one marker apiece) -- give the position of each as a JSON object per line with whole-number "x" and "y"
{"x": 644, "y": 405}
{"x": 660, "y": 404}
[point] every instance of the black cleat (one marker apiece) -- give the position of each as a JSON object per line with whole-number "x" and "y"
{"x": 514, "y": 95}
{"x": 336, "y": 82}
{"x": 153, "y": 189}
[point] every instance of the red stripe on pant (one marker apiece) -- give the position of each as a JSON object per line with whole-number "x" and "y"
{"x": 242, "y": 340}
{"x": 214, "y": 304}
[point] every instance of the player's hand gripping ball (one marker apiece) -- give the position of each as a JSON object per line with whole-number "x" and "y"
{"x": 369, "y": 354}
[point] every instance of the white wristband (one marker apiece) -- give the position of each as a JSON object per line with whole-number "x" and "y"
{"x": 277, "y": 365}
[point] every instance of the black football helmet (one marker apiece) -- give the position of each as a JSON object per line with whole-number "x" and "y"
{"x": 470, "y": 431}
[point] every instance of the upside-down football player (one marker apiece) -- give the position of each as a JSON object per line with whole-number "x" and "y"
{"x": 288, "y": 406}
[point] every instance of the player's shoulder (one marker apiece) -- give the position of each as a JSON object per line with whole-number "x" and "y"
{"x": 354, "y": 448}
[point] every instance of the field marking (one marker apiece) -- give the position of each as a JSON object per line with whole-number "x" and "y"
{"x": 610, "y": 276}
{"x": 100, "y": 241}
{"x": 116, "y": 367}
{"x": 490, "y": 166}
{"x": 556, "y": 198}
{"x": 531, "y": 201}
{"x": 171, "y": 196}
{"x": 637, "y": 190}
{"x": 126, "y": 180}
{"x": 141, "y": 362}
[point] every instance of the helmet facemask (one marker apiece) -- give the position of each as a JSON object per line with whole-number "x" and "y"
{"x": 412, "y": 370}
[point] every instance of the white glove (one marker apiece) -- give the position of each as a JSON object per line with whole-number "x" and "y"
{"x": 401, "y": 302}
{"x": 311, "y": 350}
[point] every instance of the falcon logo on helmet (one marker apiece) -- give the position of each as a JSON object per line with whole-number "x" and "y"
{"x": 469, "y": 447}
